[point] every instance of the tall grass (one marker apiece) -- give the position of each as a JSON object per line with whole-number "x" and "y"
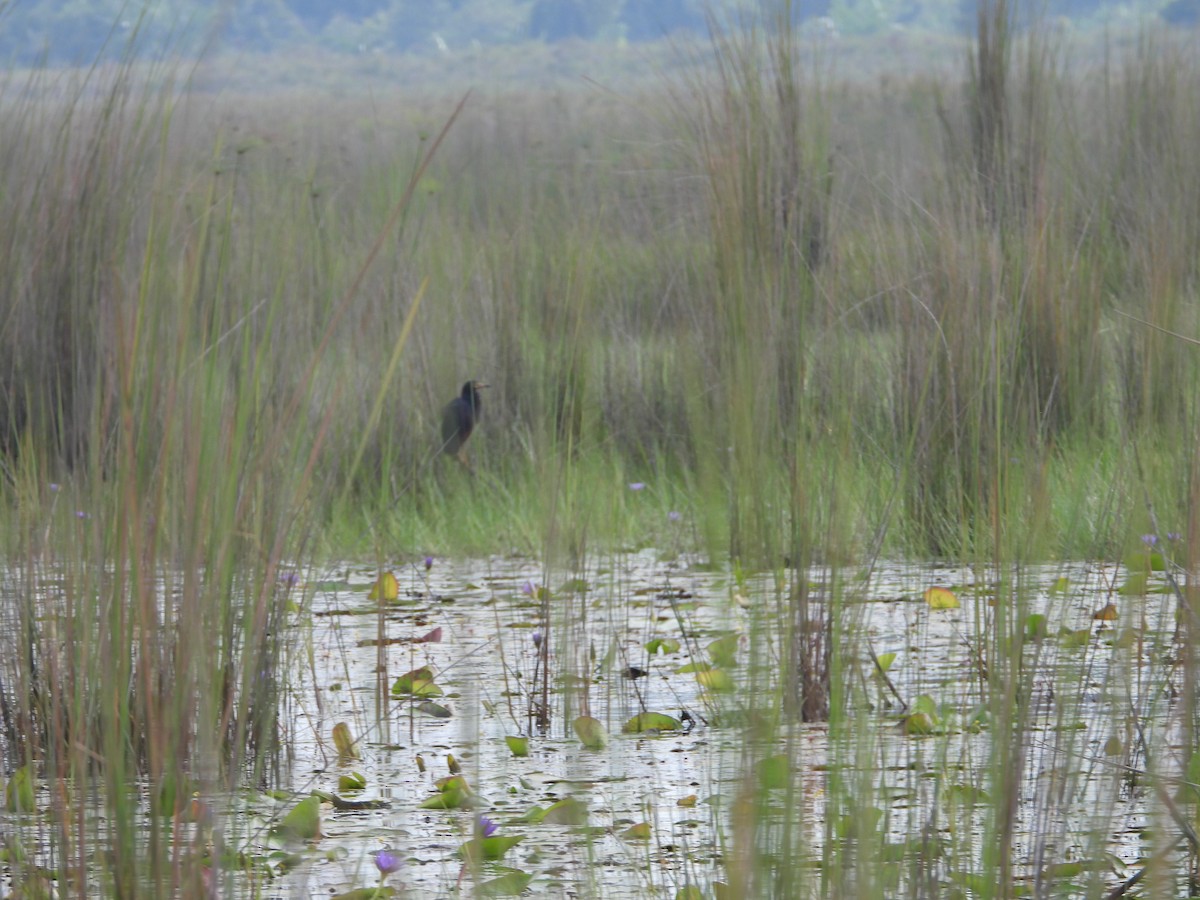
{"x": 830, "y": 320}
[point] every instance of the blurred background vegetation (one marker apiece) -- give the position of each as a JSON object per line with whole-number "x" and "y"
{"x": 76, "y": 31}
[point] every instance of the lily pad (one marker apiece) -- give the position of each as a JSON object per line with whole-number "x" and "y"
{"x": 591, "y": 732}
{"x": 489, "y": 848}
{"x": 941, "y": 598}
{"x": 303, "y": 822}
{"x": 517, "y": 746}
{"x": 651, "y": 721}
{"x": 386, "y": 588}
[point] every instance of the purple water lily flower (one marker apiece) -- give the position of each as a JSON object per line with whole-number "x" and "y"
{"x": 537, "y": 639}
{"x": 1174, "y": 536}
{"x": 428, "y": 563}
{"x": 53, "y": 488}
{"x": 674, "y": 516}
{"x": 637, "y": 485}
{"x": 528, "y": 589}
{"x": 1149, "y": 539}
{"x": 386, "y": 862}
{"x": 487, "y": 827}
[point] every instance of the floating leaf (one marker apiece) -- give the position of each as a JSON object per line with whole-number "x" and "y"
{"x": 1113, "y": 746}
{"x": 434, "y": 709}
{"x": 941, "y": 598}
{"x": 456, "y": 795}
{"x": 386, "y": 588}
{"x": 573, "y": 586}
{"x": 355, "y": 781}
{"x": 1107, "y": 613}
{"x": 1074, "y": 640}
{"x": 723, "y": 651}
{"x": 717, "y": 680}
{"x": 640, "y": 832}
{"x": 303, "y": 823}
{"x": 650, "y": 721}
{"x": 774, "y": 773}
{"x": 18, "y": 793}
{"x": 1060, "y": 585}
{"x": 698, "y": 666}
{"x": 490, "y": 848}
{"x": 366, "y": 893}
{"x": 343, "y": 740}
{"x": 511, "y": 884}
{"x": 432, "y": 637}
{"x": 662, "y": 645}
{"x": 591, "y": 732}
{"x": 418, "y": 683}
{"x": 691, "y": 892}
{"x": 686, "y": 802}
{"x": 1145, "y": 561}
{"x": 918, "y": 723}
{"x": 1036, "y": 626}
{"x": 566, "y": 812}
{"x": 517, "y": 746}
{"x": 884, "y": 661}
{"x": 1135, "y": 585}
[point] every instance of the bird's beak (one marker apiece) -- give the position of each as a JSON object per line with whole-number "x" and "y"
{"x": 481, "y": 384}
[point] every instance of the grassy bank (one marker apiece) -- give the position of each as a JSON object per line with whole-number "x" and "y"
{"x": 823, "y": 320}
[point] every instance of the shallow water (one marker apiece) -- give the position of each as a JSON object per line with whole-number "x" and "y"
{"x": 1073, "y": 804}
{"x": 703, "y": 791}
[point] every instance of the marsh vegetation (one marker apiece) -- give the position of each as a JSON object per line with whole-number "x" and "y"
{"x": 756, "y": 326}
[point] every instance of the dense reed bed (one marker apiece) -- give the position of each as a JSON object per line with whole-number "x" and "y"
{"x": 827, "y": 319}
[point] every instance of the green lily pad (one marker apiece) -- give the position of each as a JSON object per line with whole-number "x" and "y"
{"x": 303, "y": 822}
{"x": 489, "y": 848}
{"x": 650, "y": 721}
{"x": 591, "y": 732}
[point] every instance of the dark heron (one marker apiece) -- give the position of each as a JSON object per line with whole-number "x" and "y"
{"x": 459, "y": 418}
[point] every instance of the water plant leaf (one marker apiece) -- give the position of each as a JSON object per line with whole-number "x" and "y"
{"x": 355, "y": 781}
{"x": 941, "y": 598}
{"x": 568, "y": 811}
{"x": 490, "y": 848}
{"x": 517, "y": 746}
{"x": 510, "y": 884}
{"x": 366, "y": 893}
{"x": 1036, "y": 626}
{"x": 639, "y": 832}
{"x": 723, "y": 651}
{"x": 651, "y": 721}
{"x": 662, "y": 645}
{"x": 532, "y": 816}
{"x": 1135, "y": 585}
{"x": 698, "y": 666}
{"x": 386, "y": 588}
{"x": 1107, "y": 613}
{"x": 343, "y": 740}
{"x": 884, "y": 661}
{"x": 1145, "y": 561}
{"x": 573, "y": 586}
{"x": 686, "y": 802}
{"x": 774, "y": 773}
{"x": 1061, "y": 585}
{"x": 434, "y": 709}
{"x": 691, "y": 892}
{"x": 1074, "y": 640}
{"x": 18, "y": 793}
{"x": 717, "y": 680}
{"x": 1113, "y": 746}
{"x": 458, "y": 797}
{"x": 303, "y": 822}
{"x": 431, "y": 637}
{"x": 590, "y": 732}
{"x": 919, "y": 723}
{"x": 418, "y": 683}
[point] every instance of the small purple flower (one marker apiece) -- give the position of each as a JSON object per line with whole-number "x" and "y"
{"x": 637, "y": 485}
{"x": 428, "y": 563}
{"x": 53, "y": 488}
{"x": 80, "y": 514}
{"x": 537, "y": 639}
{"x": 1149, "y": 539}
{"x": 674, "y": 515}
{"x": 487, "y": 827}
{"x": 289, "y": 579}
{"x": 528, "y": 589}
{"x": 386, "y": 862}
{"x": 1174, "y": 536}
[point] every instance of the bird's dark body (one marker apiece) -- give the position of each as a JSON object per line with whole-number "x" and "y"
{"x": 459, "y": 418}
